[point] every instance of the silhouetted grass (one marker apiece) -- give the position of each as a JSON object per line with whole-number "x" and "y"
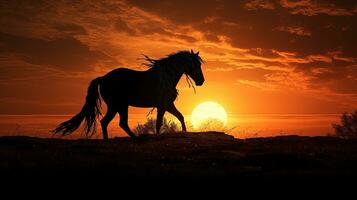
{"x": 170, "y": 126}
{"x": 149, "y": 127}
{"x": 213, "y": 125}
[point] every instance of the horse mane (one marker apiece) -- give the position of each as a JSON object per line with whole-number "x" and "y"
{"x": 179, "y": 57}
{"x": 170, "y": 63}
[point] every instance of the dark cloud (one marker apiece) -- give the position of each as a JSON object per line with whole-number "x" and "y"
{"x": 314, "y": 7}
{"x": 294, "y": 30}
{"x": 266, "y": 53}
{"x": 122, "y": 26}
{"x": 70, "y": 29}
{"x": 149, "y": 27}
{"x": 67, "y": 54}
{"x": 259, "y": 4}
{"x": 270, "y": 25}
{"x": 180, "y": 11}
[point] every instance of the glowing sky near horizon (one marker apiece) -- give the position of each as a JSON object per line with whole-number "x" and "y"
{"x": 261, "y": 57}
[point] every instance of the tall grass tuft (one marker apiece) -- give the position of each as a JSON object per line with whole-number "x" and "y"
{"x": 213, "y": 125}
{"x": 149, "y": 127}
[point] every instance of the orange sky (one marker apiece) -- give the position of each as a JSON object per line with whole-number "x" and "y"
{"x": 261, "y": 57}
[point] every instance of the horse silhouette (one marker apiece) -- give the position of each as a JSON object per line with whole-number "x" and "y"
{"x": 122, "y": 87}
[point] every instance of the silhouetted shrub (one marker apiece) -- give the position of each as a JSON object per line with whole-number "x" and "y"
{"x": 348, "y": 126}
{"x": 149, "y": 127}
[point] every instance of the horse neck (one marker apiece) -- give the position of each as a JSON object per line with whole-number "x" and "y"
{"x": 173, "y": 74}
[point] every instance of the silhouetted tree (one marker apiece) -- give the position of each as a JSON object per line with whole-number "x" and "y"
{"x": 348, "y": 126}
{"x": 149, "y": 127}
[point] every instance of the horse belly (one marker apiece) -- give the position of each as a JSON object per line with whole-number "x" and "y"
{"x": 139, "y": 98}
{"x": 130, "y": 94}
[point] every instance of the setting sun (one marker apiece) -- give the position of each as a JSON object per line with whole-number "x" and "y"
{"x": 207, "y": 113}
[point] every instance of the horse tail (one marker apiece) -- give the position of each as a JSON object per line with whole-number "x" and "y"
{"x": 89, "y": 112}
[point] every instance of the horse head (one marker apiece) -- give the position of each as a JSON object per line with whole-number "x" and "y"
{"x": 194, "y": 69}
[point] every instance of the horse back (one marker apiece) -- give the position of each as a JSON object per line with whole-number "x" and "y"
{"x": 132, "y": 87}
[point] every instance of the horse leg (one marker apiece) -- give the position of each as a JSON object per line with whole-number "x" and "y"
{"x": 123, "y": 112}
{"x": 159, "y": 117}
{"x": 106, "y": 120}
{"x": 173, "y": 110}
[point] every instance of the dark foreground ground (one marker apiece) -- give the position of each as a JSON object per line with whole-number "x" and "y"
{"x": 192, "y": 155}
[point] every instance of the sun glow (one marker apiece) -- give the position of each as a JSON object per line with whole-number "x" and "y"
{"x": 209, "y": 115}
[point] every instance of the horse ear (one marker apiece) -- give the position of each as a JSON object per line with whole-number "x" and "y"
{"x": 192, "y": 51}
{"x": 198, "y": 52}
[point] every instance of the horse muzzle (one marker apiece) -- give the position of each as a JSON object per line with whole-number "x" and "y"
{"x": 199, "y": 83}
